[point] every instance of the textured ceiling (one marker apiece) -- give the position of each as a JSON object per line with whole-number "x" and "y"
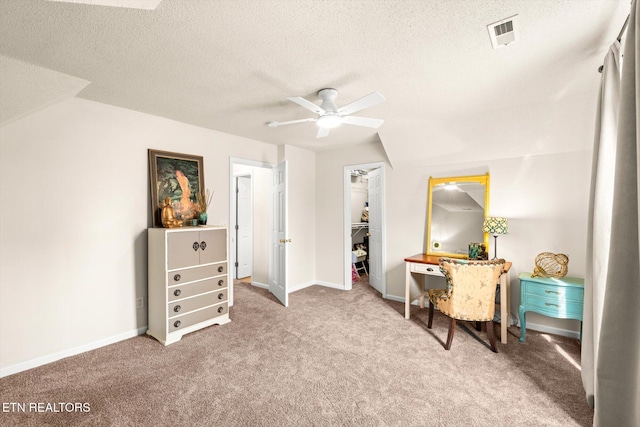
{"x": 228, "y": 65}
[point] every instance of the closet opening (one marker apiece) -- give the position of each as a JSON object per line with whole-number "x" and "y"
{"x": 364, "y": 226}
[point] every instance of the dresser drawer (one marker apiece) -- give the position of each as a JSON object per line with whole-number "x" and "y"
{"x": 203, "y": 315}
{"x": 554, "y": 307}
{"x": 198, "y": 273}
{"x": 179, "y": 307}
{"x": 195, "y": 288}
{"x": 559, "y": 293}
{"x": 431, "y": 269}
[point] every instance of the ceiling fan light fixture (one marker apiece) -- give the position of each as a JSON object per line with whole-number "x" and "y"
{"x": 329, "y": 121}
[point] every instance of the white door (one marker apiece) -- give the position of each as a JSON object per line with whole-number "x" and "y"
{"x": 376, "y": 273}
{"x": 278, "y": 273}
{"x": 244, "y": 233}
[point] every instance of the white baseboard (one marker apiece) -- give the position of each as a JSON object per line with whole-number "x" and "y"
{"x": 316, "y": 282}
{"x": 401, "y": 299}
{"x": 260, "y": 285}
{"x": 302, "y": 285}
{"x": 552, "y": 330}
{"x": 34, "y": 363}
{"x": 395, "y": 298}
{"x": 330, "y": 285}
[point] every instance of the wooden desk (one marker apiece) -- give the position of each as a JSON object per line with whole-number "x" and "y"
{"x": 430, "y": 265}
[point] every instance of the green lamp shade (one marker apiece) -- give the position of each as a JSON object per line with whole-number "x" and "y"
{"x": 495, "y": 225}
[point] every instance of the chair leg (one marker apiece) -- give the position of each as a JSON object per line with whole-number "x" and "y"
{"x": 430, "y": 322}
{"x": 452, "y": 328}
{"x": 478, "y": 327}
{"x": 491, "y": 335}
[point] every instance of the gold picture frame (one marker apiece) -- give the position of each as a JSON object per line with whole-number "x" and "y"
{"x": 177, "y": 176}
{"x": 436, "y": 244}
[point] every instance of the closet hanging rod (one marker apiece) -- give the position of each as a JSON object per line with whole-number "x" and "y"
{"x": 619, "y": 38}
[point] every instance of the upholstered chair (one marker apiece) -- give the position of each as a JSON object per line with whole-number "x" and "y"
{"x": 469, "y": 295}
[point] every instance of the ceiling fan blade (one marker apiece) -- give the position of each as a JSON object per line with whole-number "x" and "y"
{"x": 362, "y": 121}
{"x": 290, "y": 122}
{"x": 322, "y": 132}
{"x": 306, "y": 104}
{"x": 370, "y": 100}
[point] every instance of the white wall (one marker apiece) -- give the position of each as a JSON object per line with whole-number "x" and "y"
{"x": 544, "y": 197}
{"x": 73, "y": 217}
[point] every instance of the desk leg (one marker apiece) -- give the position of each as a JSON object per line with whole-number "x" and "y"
{"x": 505, "y": 303}
{"x": 407, "y": 290}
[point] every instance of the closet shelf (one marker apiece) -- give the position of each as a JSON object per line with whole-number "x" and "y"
{"x": 356, "y": 227}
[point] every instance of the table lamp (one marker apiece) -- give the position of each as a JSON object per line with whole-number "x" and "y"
{"x": 495, "y": 226}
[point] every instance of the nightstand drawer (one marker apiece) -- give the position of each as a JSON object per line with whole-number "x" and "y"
{"x": 189, "y": 304}
{"x": 554, "y": 307}
{"x": 198, "y": 316}
{"x": 561, "y": 293}
{"x": 433, "y": 270}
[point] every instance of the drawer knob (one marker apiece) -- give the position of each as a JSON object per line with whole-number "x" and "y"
{"x": 220, "y": 309}
{"x": 177, "y": 308}
{"x": 429, "y": 269}
{"x": 203, "y": 245}
{"x": 177, "y": 292}
{"x": 220, "y": 296}
{"x": 220, "y": 282}
{"x": 177, "y": 277}
{"x": 553, "y": 292}
{"x": 548, "y": 304}
{"x": 195, "y": 246}
{"x": 220, "y": 269}
{"x": 177, "y": 324}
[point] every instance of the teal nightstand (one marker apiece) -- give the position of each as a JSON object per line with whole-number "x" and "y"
{"x": 560, "y": 298}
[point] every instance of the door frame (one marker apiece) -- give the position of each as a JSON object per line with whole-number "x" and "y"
{"x": 232, "y": 212}
{"x": 347, "y": 224}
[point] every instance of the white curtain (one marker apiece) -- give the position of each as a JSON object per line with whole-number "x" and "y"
{"x": 611, "y": 328}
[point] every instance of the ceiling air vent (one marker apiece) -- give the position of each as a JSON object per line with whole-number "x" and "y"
{"x": 504, "y": 32}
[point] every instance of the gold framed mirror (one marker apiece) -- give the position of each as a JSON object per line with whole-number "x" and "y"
{"x": 456, "y": 211}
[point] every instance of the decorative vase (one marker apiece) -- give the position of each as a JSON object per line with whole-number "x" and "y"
{"x": 203, "y": 218}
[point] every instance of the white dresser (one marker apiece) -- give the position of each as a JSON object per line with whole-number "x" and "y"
{"x": 188, "y": 281}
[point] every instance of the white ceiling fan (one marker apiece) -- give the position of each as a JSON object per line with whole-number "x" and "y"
{"x": 331, "y": 116}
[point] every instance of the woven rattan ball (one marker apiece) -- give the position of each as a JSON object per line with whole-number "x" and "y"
{"x": 551, "y": 265}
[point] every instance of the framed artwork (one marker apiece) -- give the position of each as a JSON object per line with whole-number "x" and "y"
{"x": 180, "y": 177}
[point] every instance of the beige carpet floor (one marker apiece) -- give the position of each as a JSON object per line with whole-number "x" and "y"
{"x": 333, "y": 358}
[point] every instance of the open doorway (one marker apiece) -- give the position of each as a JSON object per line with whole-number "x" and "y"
{"x": 364, "y": 225}
{"x": 250, "y": 221}
{"x": 243, "y": 225}
{"x": 257, "y": 214}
